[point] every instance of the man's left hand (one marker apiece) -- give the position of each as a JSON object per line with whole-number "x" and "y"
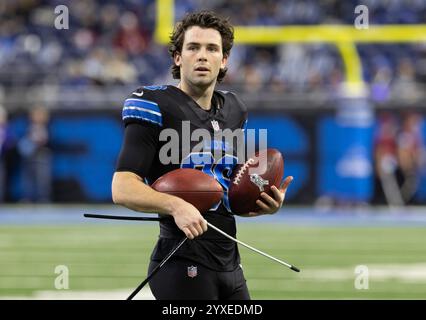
{"x": 271, "y": 205}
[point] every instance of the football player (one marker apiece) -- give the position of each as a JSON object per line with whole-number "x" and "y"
{"x": 209, "y": 266}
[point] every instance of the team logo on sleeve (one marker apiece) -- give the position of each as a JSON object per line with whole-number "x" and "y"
{"x": 192, "y": 271}
{"x": 139, "y": 94}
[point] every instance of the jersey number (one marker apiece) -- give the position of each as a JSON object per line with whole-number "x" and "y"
{"x": 221, "y": 170}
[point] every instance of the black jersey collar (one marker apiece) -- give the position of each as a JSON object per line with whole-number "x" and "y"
{"x": 218, "y": 102}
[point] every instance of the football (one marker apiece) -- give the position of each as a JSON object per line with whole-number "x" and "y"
{"x": 193, "y": 186}
{"x": 247, "y": 184}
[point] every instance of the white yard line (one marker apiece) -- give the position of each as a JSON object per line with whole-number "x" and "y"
{"x": 408, "y": 273}
{"x": 120, "y": 294}
{"x": 377, "y": 272}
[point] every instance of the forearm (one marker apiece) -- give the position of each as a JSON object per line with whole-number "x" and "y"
{"x": 129, "y": 190}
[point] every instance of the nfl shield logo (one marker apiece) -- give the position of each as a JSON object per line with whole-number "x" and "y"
{"x": 192, "y": 271}
{"x": 215, "y": 125}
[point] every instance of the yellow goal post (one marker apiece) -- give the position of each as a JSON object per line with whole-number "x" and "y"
{"x": 344, "y": 37}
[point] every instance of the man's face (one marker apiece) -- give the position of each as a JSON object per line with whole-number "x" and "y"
{"x": 201, "y": 57}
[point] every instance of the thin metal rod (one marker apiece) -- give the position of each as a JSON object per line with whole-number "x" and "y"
{"x": 104, "y": 216}
{"x": 254, "y": 249}
{"x": 156, "y": 269}
{"x": 292, "y": 267}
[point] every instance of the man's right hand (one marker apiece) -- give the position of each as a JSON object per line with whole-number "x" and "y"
{"x": 188, "y": 218}
{"x": 127, "y": 188}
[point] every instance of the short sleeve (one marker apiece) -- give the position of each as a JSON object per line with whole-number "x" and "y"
{"x": 139, "y": 148}
{"x": 142, "y": 107}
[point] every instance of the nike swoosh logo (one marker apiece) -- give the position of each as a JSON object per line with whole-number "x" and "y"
{"x": 139, "y": 94}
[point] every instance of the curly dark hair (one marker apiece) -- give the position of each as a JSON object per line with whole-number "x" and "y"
{"x": 203, "y": 19}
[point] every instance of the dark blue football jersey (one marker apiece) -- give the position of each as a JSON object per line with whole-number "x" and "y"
{"x": 162, "y": 135}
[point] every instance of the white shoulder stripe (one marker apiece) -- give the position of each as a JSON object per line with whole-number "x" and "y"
{"x": 142, "y": 100}
{"x": 142, "y": 109}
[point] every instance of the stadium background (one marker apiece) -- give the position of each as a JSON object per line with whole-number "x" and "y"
{"x": 319, "y": 85}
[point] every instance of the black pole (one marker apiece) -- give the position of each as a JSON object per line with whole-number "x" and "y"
{"x": 104, "y": 216}
{"x": 156, "y": 269}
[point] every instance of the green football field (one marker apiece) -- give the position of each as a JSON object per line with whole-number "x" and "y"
{"x": 102, "y": 258}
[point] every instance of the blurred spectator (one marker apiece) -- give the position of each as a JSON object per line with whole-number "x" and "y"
{"x": 251, "y": 77}
{"x": 131, "y": 37}
{"x": 420, "y": 62}
{"x": 411, "y": 154}
{"x": 380, "y": 86}
{"x": 387, "y": 168}
{"x": 400, "y": 158}
{"x": 118, "y": 70}
{"x": 74, "y": 75}
{"x": 32, "y": 52}
{"x": 36, "y": 157}
{"x": 94, "y": 65}
{"x": 5, "y": 146}
{"x": 405, "y": 85}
